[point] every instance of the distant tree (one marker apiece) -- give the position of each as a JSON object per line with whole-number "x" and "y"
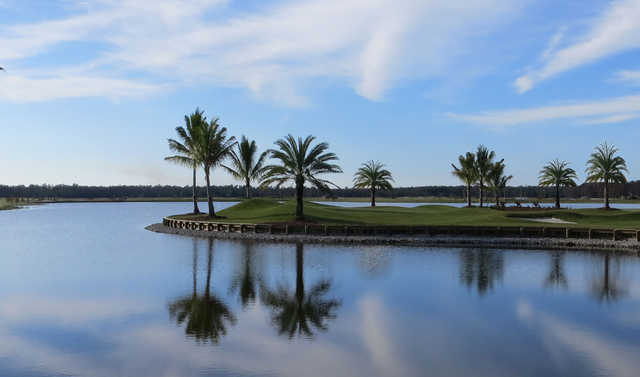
{"x": 373, "y": 176}
{"x": 300, "y": 163}
{"x": 466, "y": 172}
{"x": 557, "y": 173}
{"x": 607, "y": 167}
{"x": 186, "y": 148}
{"x": 484, "y": 164}
{"x": 214, "y": 147}
{"x": 497, "y": 180}
{"x": 246, "y": 165}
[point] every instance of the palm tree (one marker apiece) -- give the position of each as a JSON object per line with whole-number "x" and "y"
{"x": 374, "y": 176}
{"x": 246, "y": 165}
{"x": 557, "y": 173}
{"x": 206, "y": 315}
{"x": 186, "y": 148}
{"x": 484, "y": 163}
{"x": 300, "y": 311}
{"x": 214, "y": 146}
{"x": 300, "y": 163}
{"x": 497, "y": 180}
{"x": 604, "y": 166}
{"x": 466, "y": 172}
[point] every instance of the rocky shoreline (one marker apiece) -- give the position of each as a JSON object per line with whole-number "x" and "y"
{"x": 631, "y": 247}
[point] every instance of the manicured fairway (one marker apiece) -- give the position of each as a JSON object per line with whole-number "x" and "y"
{"x": 272, "y": 211}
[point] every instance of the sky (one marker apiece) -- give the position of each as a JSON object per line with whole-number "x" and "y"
{"x": 92, "y": 89}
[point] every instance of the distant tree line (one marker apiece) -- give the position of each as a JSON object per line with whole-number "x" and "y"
{"x": 630, "y": 190}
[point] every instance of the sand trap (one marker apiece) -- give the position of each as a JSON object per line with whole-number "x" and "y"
{"x": 550, "y": 220}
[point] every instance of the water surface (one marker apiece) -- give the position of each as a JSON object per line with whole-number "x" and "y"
{"x": 86, "y": 291}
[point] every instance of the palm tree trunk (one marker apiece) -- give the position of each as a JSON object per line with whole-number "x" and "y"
{"x": 300, "y": 272}
{"x": 481, "y": 192}
{"x": 248, "y": 189}
{"x": 468, "y": 194}
{"x": 212, "y": 212}
{"x": 557, "y": 196}
{"x": 196, "y": 210}
{"x": 606, "y": 194}
{"x": 299, "y": 197}
{"x": 373, "y": 197}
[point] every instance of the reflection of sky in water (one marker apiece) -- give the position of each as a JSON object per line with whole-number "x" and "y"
{"x": 87, "y": 292}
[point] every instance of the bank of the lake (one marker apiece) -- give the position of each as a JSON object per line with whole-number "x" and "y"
{"x": 266, "y": 211}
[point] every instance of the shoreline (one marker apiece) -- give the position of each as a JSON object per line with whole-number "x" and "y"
{"x": 630, "y": 247}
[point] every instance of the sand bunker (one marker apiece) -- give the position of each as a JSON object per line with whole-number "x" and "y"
{"x": 550, "y": 220}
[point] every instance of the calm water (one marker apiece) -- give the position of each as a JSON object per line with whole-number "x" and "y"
{"x": 460, "y": 205}
{"x": 86, "y": 291}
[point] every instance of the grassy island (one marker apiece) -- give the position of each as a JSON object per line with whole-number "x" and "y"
{"x": 267, "y": 211}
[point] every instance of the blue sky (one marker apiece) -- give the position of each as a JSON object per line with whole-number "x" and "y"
{"x": 93, "y": 88}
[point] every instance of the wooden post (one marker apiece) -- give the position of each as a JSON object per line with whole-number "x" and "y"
{"x": 638, "y": 235}
{"x": 614, "y": 235}
{"x": 286, "y": 229}
{"x": 326, "y": 230}
{"x": 566, "y": 232}
{"x": 589, "y": 233}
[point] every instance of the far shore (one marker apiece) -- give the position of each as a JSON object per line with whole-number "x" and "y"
{"x": 364, "y": 200}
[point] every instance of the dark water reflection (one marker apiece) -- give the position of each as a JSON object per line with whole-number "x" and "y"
{"x": 85, "y": 291}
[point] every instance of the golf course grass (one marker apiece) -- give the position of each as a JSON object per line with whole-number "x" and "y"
{"x": 268, "y": 211}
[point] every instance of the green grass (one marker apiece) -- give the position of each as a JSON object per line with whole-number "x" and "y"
{"x": 268, "y": 211}
{"x": 6, "y": 205}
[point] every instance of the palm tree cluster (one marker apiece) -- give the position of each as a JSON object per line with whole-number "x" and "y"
{"x": 604, "y": 166}
{"x": 480, "y": 169}
{"x": 300, "y": 161}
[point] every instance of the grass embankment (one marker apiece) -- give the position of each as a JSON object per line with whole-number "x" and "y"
{"x": 6, "y": 205}
{"x": 265, "y": 211}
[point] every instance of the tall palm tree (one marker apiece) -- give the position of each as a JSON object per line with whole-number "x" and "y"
{"x": 605, "y": 166}
{"x": 186, "y": 148}
{"x": 497, "y": 180}
{"x": 246, "y": 165}
{"x": 484, "y": 163}
{"x": 557, "y": 173}
{"x": 373, "y": 176}
{"x": 214, "y": 147}
{"x": 300, "y": 311}
{"x": 466, "y": 172}
{"x": 206, "y": 316}
{"x": 300, "y": 163}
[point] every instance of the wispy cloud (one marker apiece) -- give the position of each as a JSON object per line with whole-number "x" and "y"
{"x": 628, "y": 76}
{"x": 596, "y": 112}
{"x": 275, "y": 52}
{"x": 614, "y": 31}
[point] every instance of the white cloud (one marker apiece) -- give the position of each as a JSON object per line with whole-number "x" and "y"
{"x": 274, "y": 52}
{"x": 629, "y": 77}
{"x": 614, "y": 31}
{"x": 597, "y": 112}
{"x": 31, "y": 89}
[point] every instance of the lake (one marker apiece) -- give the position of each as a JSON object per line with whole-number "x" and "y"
{"x": 86, "y": 291}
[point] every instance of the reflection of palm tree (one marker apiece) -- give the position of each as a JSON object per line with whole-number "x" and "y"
{"x": 481, "y": 267}
{"x": 609, "y": 287}
{"x": 245, "y": 281}
{"x": 301, "y": 311}
{"x": 556, "y": 276}
{"x": 205, "y": 315}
